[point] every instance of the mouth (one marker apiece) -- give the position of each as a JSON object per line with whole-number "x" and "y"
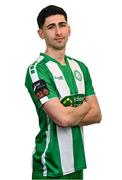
{"x": 59, "y": 39}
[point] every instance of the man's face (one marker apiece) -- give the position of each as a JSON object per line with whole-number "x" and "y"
{"x": 55, "y": 31}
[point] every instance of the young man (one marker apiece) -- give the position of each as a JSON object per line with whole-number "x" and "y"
{"x": 61, "y": 89}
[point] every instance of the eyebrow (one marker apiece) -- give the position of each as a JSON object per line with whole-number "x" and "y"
{"x": 53, "y": 24}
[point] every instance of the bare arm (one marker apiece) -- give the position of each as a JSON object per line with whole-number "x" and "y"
{"x": 65, "y": 116}
{"x": 94, "y": 113}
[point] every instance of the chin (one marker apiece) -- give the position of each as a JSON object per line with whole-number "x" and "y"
{"x": 59, "y": 47}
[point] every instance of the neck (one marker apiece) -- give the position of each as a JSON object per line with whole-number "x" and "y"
{"x": 58, "y": 55}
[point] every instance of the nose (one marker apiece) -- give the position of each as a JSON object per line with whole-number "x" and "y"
{"x": 58, "y": 31}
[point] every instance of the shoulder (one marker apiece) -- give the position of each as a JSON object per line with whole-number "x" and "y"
{"x": 40, "y": 61}
{"x": 37, "y": 70}
{"x": 38, "y": 64}
{"x": 80, "y": 62}
{"x": 36, "y": 67}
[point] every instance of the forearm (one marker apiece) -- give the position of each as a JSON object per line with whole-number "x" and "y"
{"x": 74, "y": 115}
{"x": 92, "y": 117}
{"x": 65, "y": 116}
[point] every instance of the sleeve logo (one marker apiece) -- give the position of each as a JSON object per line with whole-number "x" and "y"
{"x": 40, "y": 89}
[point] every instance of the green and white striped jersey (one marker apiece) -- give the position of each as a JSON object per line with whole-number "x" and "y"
{"x": 59, "y": 150}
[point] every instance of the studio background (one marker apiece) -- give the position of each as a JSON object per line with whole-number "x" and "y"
{"x": 96, "y": 39}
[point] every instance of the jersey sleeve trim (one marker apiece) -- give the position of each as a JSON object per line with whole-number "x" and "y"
{"x": 45, "y": 99}
{"x": 90, "y": 95}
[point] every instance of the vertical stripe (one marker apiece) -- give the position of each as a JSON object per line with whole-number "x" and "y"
{"x": 47, "y": 143}
{"x": 33, "y": 71}
{"x": 82, "y": 133}
{"x": 33, "y": 74}
{"x": 58, "y": 79}
{"x": 64, "y": 135}
{"x": 65, "y": 141}
{"x": 80, "y": 84}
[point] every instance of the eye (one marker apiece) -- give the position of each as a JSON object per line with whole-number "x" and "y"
{"x": 63, "y": 25}
{"x": 50, "y": 27}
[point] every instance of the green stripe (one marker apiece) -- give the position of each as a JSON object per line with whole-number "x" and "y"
{"x": 40, "y": 140}
{"x": 53, "y": 161}
{"x": 78, "y": 149}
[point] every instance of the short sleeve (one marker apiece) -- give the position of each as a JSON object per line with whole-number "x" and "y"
{"x": 89, "y": 89}
{"x": 33, "y": 75}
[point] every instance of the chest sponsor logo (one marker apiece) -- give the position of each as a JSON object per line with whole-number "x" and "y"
{"x": 59, "y": 77}
{"x": 73, "y": 100}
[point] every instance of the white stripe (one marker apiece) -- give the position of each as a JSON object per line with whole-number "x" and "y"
{"x": 60, "y": 84}
{"x": 80, "y": 84}
{"x": 82, "y": 133}
{"x": 66, "y": 148}
{"x": 34, "y": 76}
{"x": 64, "y": 135}
{"x": 43, "y": 160}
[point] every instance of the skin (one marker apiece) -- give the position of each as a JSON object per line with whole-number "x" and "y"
{"x": 56, "y": 32}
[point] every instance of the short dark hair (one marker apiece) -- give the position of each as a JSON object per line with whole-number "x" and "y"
{"x": 49, "y": 11}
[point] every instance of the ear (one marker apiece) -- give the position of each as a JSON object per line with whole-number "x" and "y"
{"x": 40, "y": 33}
{"x": 69, "y": 30}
